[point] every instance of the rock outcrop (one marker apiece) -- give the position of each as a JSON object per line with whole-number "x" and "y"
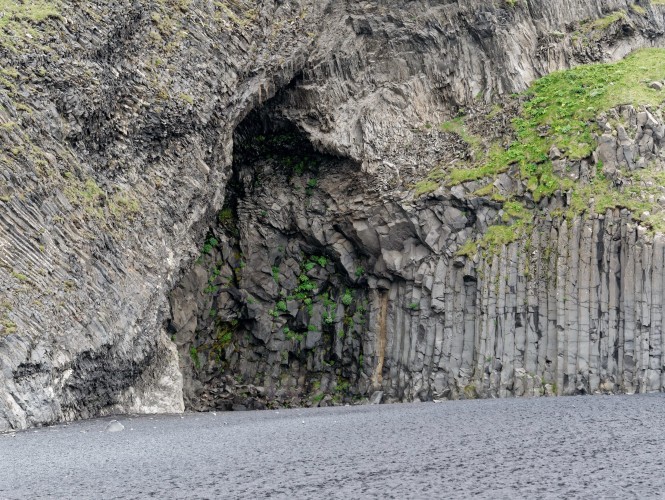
{"x": 118, "y": 122}
{"x": 324, "y": 292}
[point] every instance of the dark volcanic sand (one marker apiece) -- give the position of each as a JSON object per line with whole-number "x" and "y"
{"x": 576, "y": 447}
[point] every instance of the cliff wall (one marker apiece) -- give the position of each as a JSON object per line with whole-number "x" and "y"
{"x": 118, "y": 123}
{"x": 316, "y": 290}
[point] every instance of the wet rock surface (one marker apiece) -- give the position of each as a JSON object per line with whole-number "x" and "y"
{"x": 579, "y": 447}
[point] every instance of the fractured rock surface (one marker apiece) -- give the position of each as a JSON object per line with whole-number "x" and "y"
{"x": 119, "y": 149}
{"x": 576, "y": 309}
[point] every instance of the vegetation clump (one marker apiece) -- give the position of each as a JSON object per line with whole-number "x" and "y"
{"x": 559, "y": 113}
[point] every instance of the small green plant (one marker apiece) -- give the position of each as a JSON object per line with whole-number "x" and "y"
{"x": 210, "y": 243}
{"x": 305, "y": 284}
{"x": 19, "y": 276}
{"x": 425, "y": 187}
{"x": 320, "y": 260}
{"x": 194, "y": 354}
{"x": 327, "y": 318}
{"x": 328, "y": 301}
{"x": 414, "y": 306}
{"x": 342, "y": 386}
{"x": 281, "y": 306}
{"x": 347, "y": 298}
{"x": 275, "y": 274}
{"x": 360, "y": 271}
{"x": 291, "y": 335}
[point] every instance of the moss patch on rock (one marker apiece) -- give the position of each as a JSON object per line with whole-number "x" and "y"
{"x": 559, "y": 114}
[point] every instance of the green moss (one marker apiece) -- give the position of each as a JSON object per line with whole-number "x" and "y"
{"x": 293, "y": 336}
{"x": 499, "y": 236}
{"x": 210, "y": 243}
{"x": 515, "y": 210}
{"x": 425, "y": 187}
{"x": 224, "y": 336}
{"x": 317, "y": 259}
{"x": 604, "y": 22}
{"x": 32, "y": 11}
{"x": 86, "y": 194}
{"x": 559, "y": 112}
{"x": 10, "y": 72}
{"x": 470, "y": 391}
{"x": 229, "y": 11}
{"x": 458, "y": 126}
{"x": 468, "y": 249}
{"x": 186, "y": 98}
{"x": 124, "y": 206}
{"x": 8, "y": 326}
{"x": 194, "y": 355}
{"x": 19, "y": 276}
{"x": 518, "y": 221}
{"x": 18, "y": 27}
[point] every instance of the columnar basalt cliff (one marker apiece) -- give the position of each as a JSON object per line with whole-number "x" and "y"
{"x": 220, "y": 205}
{"x": 314, "y": 290}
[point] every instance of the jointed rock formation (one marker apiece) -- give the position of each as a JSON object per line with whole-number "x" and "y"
{"x": 217, "y": 205}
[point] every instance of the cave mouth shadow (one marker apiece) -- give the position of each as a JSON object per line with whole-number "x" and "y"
{"x": 267, "y": 317}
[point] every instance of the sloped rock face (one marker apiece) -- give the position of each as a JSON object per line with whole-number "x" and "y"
{"x": 120, "y": 139}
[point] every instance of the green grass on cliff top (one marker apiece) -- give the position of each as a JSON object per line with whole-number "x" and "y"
{"x": 27, "y": 10}
{"x": 559, "y": 112}
{"x": 21, "y": 23}
{"x": 567, "y": 101}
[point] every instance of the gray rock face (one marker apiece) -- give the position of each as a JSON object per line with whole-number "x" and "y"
{"x": 114, "y": 426}
{"x": 327, "y": 288}
{"x": 122, "y": 140}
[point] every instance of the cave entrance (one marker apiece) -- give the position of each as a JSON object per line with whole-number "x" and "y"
{"x": 273, "y": 312}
